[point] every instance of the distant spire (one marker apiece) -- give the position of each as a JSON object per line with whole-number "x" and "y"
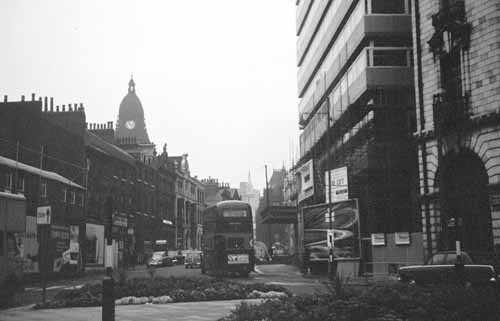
{"x": 249, "y": 180}
{"x": 131, "y": 84}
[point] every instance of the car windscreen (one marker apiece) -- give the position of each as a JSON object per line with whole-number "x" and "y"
{"x": 452, "y": 258}
{"x": 438, "y": 259}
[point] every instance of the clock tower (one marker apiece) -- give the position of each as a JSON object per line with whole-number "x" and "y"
{"x": 131, "y": 134}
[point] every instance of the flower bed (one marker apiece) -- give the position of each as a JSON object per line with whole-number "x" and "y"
{"x": 377, "y": 303}
{"x": 178, "y": 289}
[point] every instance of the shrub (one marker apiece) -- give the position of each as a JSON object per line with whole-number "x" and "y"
{"x": 180, "y": 289}
{"x": 9, "y": 286}
{"x": 381, "y": 302}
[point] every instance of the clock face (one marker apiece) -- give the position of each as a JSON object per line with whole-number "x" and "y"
{"x": 130, "y": 124}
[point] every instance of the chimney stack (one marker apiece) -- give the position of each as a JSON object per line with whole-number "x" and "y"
{"x": 70, "y": 108}
{"x": 51, "y": 102}
{"x": 22, "y": 98}
{"x": 81, "y": 106}
{"x": 32, "y": 97}
{"x": 57, "y": 108}
{"x": 5, "y": 98}
{"x": 45, "y": 102}
{"x": 110, "y": 125}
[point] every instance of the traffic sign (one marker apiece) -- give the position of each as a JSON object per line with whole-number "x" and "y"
{"x": 330, "y": 239}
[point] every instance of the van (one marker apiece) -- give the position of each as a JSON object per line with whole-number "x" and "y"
{"x": 193, "y": 259}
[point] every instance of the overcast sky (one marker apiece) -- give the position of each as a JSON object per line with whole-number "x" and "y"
{"x": 217, "y": 79}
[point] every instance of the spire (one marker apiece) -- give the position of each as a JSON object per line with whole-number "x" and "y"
{"x": 249, "y": 180}
{"x": 131, "y": 84}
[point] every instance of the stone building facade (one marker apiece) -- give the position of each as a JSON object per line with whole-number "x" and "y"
{"x": 457, "y": 74}
{"x": 45, "y": 165}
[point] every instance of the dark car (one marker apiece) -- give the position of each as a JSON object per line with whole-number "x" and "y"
{"x": 443, "y": 268}
{"x": 159, "y": 259}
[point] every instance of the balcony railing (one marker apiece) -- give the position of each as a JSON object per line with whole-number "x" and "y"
{"x": 451, "y": 29}
{"x": 450, "y": 113}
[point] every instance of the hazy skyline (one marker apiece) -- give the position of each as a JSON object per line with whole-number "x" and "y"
{"x": 217, "y": 79}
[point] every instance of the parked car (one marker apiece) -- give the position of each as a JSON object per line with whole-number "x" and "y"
{"x": 159, "y": 259}
{"x": 193, "y": 259}
{"x": 443, "y": 268}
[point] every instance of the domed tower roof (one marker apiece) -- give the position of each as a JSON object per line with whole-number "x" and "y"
{"x": 131, "y": 122}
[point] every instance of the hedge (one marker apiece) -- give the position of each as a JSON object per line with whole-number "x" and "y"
{"x": 381, "y": 302}
{"x": 180, "y": 289}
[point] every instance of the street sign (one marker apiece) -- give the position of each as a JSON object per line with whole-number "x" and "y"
{"x": 330, "y": 239}
{"x": 339, "y": 185}
{"x": 43, "y": 215}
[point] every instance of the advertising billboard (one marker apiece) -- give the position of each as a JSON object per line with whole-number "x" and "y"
{"x": 339, "y": 190}
{"x": 306, "y": 175}
{"x": 346, "y": 236}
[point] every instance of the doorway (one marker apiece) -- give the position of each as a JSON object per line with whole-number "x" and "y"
{"x": 467, "y": 215}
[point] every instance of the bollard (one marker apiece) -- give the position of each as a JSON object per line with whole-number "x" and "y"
{"x": 108, "y": 300}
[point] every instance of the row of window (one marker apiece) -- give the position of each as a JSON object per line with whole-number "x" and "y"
{"x": 9, "y": 183}
{"x": 68, "y": 196}
{"x": 340, "y": 95}
{"x": 343, "y": 44}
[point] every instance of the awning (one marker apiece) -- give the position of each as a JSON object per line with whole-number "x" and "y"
{"x": 37, "y": 171}
{"x": 279, "y": 215}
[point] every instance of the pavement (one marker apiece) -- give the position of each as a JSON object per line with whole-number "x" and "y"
{"x": 186, "y": 311}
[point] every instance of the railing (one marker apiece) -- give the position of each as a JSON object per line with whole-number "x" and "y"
{"x": 450, "y": 113}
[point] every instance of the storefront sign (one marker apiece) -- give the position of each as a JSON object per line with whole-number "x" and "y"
{"x": 43, "y": 215}
{"x": 339, "y": 185}
{"x": 306, "y": 174}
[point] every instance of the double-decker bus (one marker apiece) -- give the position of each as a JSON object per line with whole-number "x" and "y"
{"x": 228, "y": 238}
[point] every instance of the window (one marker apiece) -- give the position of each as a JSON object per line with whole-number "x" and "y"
{"x": 72, "y": 197}
{"x": 80, "y": 199}
{"x": 388, "y": 6}
{"x": 20, "y": 183}
{"x": 8, "y": 181}
{"x": 390, "y": 58}
{"x": 64, "y": 195}
{"x": 43, "y": 188}
{"x": 235, "y": 242}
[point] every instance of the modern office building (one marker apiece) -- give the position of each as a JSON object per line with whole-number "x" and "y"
{"x": 356, "y": 112}
{"x": 457, "y": 73}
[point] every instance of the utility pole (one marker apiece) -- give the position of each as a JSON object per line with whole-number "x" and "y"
{"x": 267, "y": 206}
{"x": 329, "y": 195}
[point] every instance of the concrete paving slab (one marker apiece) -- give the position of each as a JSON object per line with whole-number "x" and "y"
{"x": 186, "y": 311}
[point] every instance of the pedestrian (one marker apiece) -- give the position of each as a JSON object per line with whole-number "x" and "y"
{"x": 496, "y": 258}
{"x": 307, "y": 257}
